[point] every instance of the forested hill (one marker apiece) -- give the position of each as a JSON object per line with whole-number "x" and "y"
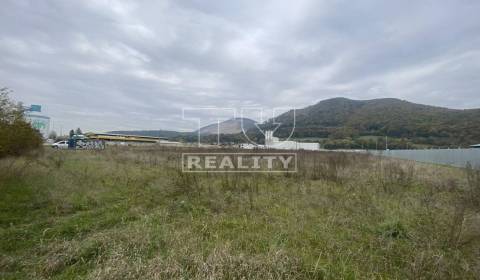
{"x": 231, "y": 126}
{"x": 341, "y": 118}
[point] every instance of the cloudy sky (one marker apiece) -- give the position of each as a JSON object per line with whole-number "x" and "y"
{"x": 107, "y": 65}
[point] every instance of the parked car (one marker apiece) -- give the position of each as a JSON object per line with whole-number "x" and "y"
{"x": 60, "y": 145}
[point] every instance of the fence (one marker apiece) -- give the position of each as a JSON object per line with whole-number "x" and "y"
{"x": 453, "y": 157}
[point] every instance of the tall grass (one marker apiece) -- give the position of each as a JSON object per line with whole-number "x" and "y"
{"x": 130, "y": 213}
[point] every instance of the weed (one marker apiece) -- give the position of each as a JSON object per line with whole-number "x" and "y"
{"x": 130, "y": 213}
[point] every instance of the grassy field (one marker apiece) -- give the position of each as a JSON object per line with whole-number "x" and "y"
{"x": 131, "y": 214}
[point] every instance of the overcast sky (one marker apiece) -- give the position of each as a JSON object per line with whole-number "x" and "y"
{"x": 108, "y": 65}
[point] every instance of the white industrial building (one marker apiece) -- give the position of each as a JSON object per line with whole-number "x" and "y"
{"x": 272, "y": 142}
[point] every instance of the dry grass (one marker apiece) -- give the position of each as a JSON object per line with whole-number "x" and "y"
{"x": 131, "y": 214}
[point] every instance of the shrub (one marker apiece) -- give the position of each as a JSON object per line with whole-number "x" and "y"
{"x": 392, "y": 229}
{"x": 17, "y": 137}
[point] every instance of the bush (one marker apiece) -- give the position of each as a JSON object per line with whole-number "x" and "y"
{"x": 17, "y": 137}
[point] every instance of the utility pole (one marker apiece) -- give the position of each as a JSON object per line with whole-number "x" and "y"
{"x": 386, "y": 143}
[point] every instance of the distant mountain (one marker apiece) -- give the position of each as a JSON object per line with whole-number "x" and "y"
{"x": 154, "y": 133}
{"x": 345, "y": 118}
{"x": 232, "y": 126}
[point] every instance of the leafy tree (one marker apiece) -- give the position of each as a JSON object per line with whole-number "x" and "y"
{"x": 17, "y": 136}
{"x": 78, "y": 131}
{"x": 71, "y": 133}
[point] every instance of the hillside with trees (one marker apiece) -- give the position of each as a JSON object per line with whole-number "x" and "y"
{"x": 359, "y": 122}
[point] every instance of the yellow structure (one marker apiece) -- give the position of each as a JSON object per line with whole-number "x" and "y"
{"x": 123, "y": 138}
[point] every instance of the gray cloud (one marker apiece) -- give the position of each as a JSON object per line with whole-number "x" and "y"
{"x": 107, "y": 65}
